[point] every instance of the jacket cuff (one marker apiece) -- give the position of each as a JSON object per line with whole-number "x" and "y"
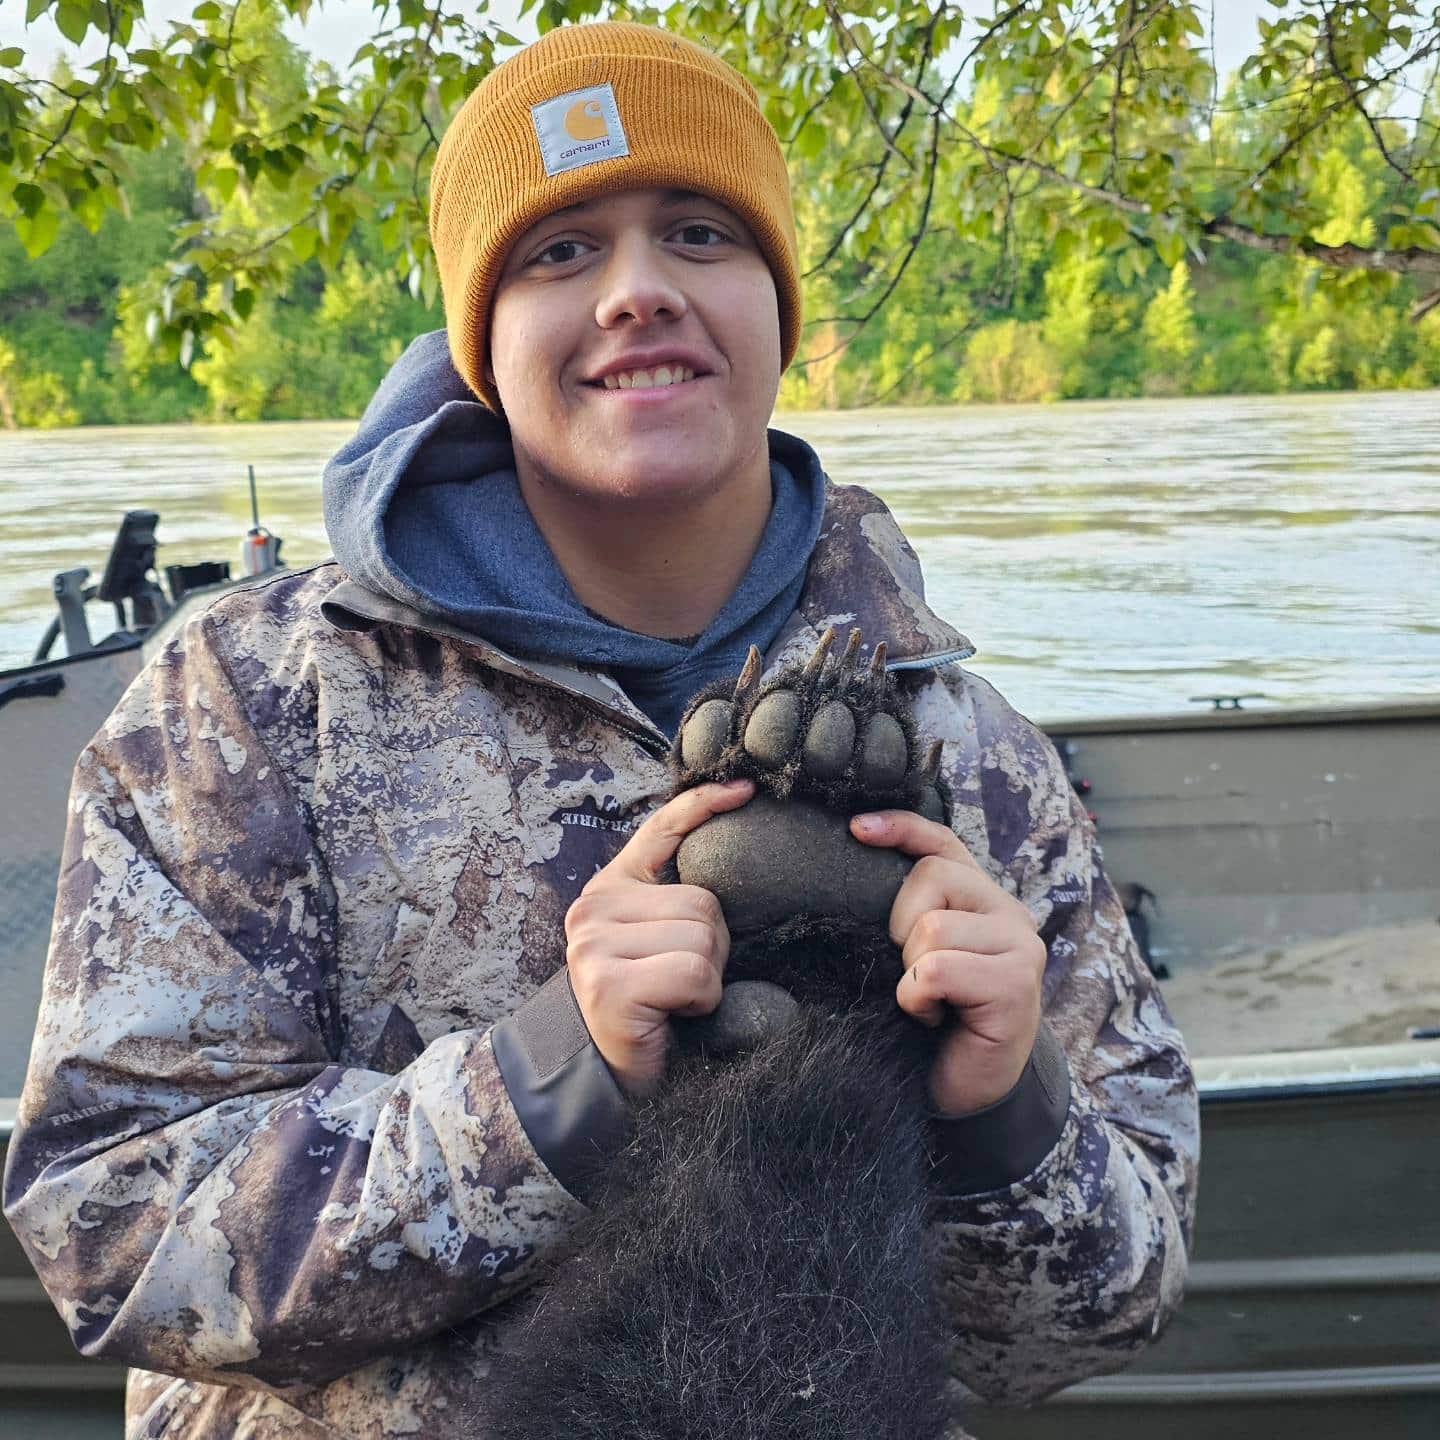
{"x": 573, "y": 1112}
{"x": 1004, "y": 1142}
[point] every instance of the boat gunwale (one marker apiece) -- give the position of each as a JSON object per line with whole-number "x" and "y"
{"x": 1338, "y": 1070}
{"x": 1399, "y": 712}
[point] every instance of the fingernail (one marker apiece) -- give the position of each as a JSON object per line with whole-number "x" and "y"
{"x": 870, "y": 824}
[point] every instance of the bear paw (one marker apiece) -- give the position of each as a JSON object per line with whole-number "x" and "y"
{"x": 822, "y": 741}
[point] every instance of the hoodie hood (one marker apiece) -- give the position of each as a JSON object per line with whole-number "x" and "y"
{"x": 423, "y": 507}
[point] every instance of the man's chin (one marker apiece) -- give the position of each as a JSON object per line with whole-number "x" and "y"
{"x": 654, "y": 484}
{"x": 671, "y": 465}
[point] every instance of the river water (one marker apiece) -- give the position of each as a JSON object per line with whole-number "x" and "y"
{"x": 1105, "y": 558}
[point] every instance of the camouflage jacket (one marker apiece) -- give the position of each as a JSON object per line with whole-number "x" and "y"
{"x": 265, "y": 1154}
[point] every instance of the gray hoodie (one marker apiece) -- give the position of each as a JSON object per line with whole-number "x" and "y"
{"x": 423, "y": 506}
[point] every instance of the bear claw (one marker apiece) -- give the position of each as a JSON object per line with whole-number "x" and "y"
{"x": 831, "y": 728}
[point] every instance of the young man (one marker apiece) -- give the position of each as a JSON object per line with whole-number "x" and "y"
{"x": 285, "y": 1138}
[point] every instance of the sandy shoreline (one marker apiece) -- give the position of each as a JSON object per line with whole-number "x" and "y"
{"x": 1366, "y": 987}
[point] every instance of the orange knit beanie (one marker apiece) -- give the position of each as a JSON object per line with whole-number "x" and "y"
{"x": 588, "y": 110}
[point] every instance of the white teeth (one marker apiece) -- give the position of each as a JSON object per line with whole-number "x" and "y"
{"x": 648, "y": 379}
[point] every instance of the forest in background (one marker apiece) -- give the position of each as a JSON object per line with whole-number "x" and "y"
{"x": 984, "y": 310}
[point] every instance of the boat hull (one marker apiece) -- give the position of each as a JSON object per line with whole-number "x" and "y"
{"x": 1312, "y": 1299}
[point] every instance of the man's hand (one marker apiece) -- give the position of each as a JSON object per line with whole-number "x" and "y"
{"x": 639, "y": 950}
{"x": 972, "y": 958}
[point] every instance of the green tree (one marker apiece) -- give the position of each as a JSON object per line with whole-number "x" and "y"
{"x": 291, "y": 285}
{"x": 31, "y": 398}
{"x": 1093, "y": 117}
{"x": 1009, "y": 361}
{"x": 1169, "y": 330}
{"x": 1072, "y": 309}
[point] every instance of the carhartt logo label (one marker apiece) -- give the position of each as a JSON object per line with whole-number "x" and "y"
{"x": 586, "y": 121}
{"x": 579, "y": 129}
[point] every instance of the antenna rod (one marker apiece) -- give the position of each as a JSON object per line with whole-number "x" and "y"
{"x": 254, "y": 502}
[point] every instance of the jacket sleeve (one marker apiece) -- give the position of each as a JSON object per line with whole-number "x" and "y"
{"x": 202, "y": 1187}
{"x": 1067, "y": 1271}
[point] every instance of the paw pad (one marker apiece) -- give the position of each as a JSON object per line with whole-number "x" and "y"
{"x": 830, "y": 741}
{"x": 705, "y": 735}
{"x": 770, "y": 732}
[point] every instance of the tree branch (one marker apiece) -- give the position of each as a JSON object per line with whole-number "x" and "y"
{"x": 861, "y": 321}
{"x": 1356, "y": 101}
{"x": 1412, "y": 260}
{"x": 839, "y": 239}
{"x": 1424, "y": 306}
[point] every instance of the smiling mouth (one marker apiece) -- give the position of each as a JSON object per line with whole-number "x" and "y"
{"x": 657, "y": 379}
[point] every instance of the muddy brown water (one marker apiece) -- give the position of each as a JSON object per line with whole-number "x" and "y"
{"x": 1105, "y": 558}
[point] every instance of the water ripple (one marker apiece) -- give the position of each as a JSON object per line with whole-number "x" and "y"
{"x": 1116, "y": 556}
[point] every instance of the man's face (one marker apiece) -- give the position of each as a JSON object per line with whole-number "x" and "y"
{"x": 595, "y": 305}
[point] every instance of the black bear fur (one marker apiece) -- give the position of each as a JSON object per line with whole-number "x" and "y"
{"x": 756, "y": 1263}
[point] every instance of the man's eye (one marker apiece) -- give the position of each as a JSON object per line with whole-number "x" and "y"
{"x": 701, "y": 235}
{"x": 558, "y": 252}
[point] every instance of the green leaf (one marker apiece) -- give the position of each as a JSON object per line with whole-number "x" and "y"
{"x": 278, "y": 169}
{"x": 1170, "y": 246}
{"x": 452, "y": 91}
{"x": 208, "y": 11}
{"x": 91, "y": 211}
{"x": 29, "y": 198}
{"x": 34, "y": 9}
{"x": 303, "y": 239}
{"x": 11, "y": 56}
{"x": 37, "y": 233}
{"x": 73, "y": 21}
{"x": 244, "y": 303}
{"x": 811, "y": 141}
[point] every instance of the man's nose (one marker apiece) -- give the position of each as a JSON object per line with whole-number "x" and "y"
{"x": 637, "y": 285}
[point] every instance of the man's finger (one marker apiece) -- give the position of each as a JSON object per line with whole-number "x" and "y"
{"x": 678, "y": 983}
{"x": 958, "y": 930}
{"x": 662, "y": 937}
{"x": 652, "y": 847}
{"x": 629, "y": 904}
{"x": 938, "y": 883}
{"x": 945, "y": 980}
{"x": 910, "y": 834}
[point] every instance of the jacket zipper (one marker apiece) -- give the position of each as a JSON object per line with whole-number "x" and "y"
{"x": 931, "y": 662}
